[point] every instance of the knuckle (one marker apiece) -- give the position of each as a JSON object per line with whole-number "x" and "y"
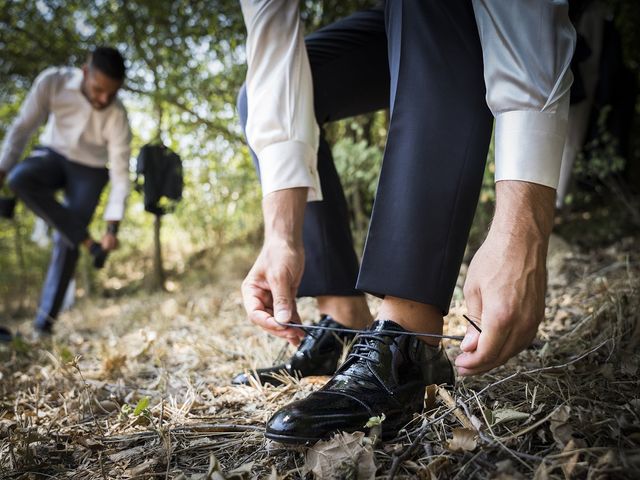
{"x": 280, "y": 300}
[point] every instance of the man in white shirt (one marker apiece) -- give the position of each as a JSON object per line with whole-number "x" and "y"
{"x": 438, "y": 54}
{"x": 86, "y": 143}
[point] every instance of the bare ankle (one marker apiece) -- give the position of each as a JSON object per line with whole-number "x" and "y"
{"x": 349, "y": 311}
{"x": 413, "y": 316}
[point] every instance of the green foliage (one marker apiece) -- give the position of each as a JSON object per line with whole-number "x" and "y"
{"x": 186, "y": 63}
{"x": 142, "y": 407}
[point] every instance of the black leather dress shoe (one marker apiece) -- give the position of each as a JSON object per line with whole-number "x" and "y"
{"x": 99, "y": 255}
{"x": 318, "y": 354}
{"x": 5, "y": 335}
{"x": 385, "y": 373}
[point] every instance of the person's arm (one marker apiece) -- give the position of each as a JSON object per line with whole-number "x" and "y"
{"x": 33, "y": 113}
{"x": 282, "y": 130}
{"x": 119, "y": 148}
{"x": 281, "y": 126}
{"x": 527, "y": 48}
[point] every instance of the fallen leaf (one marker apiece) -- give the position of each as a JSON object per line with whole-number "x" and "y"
{"x": 345, "y": 455}
{"x": 430, "y": 397}
{"x": 561, "y": 430}
{"x": 502, "y": 415}
{"x": 463, "y": 440}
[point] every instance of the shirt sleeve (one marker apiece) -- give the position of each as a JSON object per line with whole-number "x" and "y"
{"x": 119, "y": 148}
{"x": 33, "y": 113}
{"x": 281, "y": 125}
{"x": 527, "y": 47}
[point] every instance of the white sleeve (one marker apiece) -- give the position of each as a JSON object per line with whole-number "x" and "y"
{"x": 527, "y": 48}
{"x": 119, "y": 148}
{"x": 281, "y": 125}
{"x": 33, "y": 113}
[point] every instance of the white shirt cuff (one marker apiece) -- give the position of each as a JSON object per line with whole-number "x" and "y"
{"x": 114, "y": 211}
{"x": 529, "y": 145}
{"x": 289, "y": 164}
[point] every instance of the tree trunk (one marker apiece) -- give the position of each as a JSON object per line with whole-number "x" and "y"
{"x": 157, "y": 280}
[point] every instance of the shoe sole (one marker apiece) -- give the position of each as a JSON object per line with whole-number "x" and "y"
{"x": 387, "y": 434}
{"x": 291, "y": 439}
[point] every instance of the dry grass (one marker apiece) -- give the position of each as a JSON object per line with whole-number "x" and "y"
{"x": 139, "y": 388}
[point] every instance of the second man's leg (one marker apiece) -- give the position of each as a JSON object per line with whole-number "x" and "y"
{"x": 82, "y": 193}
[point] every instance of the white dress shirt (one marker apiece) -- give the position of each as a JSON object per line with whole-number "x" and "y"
{"x": 527, "y": 48}
{"x": 84, "y": 135}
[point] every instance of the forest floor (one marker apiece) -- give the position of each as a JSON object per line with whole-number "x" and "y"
{"x": 139, "y": 387}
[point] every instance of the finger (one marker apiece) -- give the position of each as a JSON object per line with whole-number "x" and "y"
{"x": 490, "y": 346}
{"x": 258, "y": 300}
{"x": 268, "y": 323}
{"x": 283, "y": 297}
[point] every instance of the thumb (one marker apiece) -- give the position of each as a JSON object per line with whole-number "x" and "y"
{"x": 283, "y": 304}
{"x": 473, "y": 300}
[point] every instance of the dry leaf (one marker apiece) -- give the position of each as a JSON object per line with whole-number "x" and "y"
{"x": 344, "y": 455}
{"x": 463, "y": 440}
{"x": 430, "y": 397}
{"x": 502, "y": 415}
{"x": 562, "y": 431}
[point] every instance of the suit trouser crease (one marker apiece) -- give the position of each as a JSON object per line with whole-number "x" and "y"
{"x": 434, "y": 160}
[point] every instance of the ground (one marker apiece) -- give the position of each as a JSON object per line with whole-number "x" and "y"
{"x": 138, "y": 387}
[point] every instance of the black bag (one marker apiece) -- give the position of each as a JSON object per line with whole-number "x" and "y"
{"x": 162, "y": 171}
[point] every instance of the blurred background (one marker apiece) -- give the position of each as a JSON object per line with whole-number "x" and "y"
{"x": 185, "y": 65}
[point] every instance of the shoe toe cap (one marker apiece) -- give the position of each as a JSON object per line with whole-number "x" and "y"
{"x": 316, "y": 417}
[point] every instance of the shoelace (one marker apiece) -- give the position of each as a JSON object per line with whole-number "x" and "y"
{"x": 384, "y": 332}
{"x": 310, "y": 336}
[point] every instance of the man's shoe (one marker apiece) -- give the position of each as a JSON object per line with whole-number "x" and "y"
{"x": 5, "y": 335}
{"x": 318, "y": 354}
{"x": 385, "y": 373}
{"x": 99, "y": 255}
{"x": 42, "y": 331}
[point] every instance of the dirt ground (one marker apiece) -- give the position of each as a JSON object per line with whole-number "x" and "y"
{"x": 138, "y": 387}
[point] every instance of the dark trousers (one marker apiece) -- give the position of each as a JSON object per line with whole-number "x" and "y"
{"x": 36, "y": 181}
{"x": 423, "y": 60}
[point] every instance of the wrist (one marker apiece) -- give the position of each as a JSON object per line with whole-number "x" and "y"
{"x": 523, "y": 209}
{"x": 284, "y": 215}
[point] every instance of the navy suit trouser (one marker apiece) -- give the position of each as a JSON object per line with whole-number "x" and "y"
{"x": 36, "y": 180}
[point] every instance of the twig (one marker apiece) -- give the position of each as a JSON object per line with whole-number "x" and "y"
{"x": 451, "y": 403}
{"x": 541, "y": 369}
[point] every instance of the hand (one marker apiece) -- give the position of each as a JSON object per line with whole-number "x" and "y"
{"x": 269, "y": 290}
{"x": 506, "y": 281}
{"x": 109, "y": 242}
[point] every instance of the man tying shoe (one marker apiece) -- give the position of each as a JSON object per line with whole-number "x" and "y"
{"x": 85, "y": 143}
{"x": 430, "y": 57}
